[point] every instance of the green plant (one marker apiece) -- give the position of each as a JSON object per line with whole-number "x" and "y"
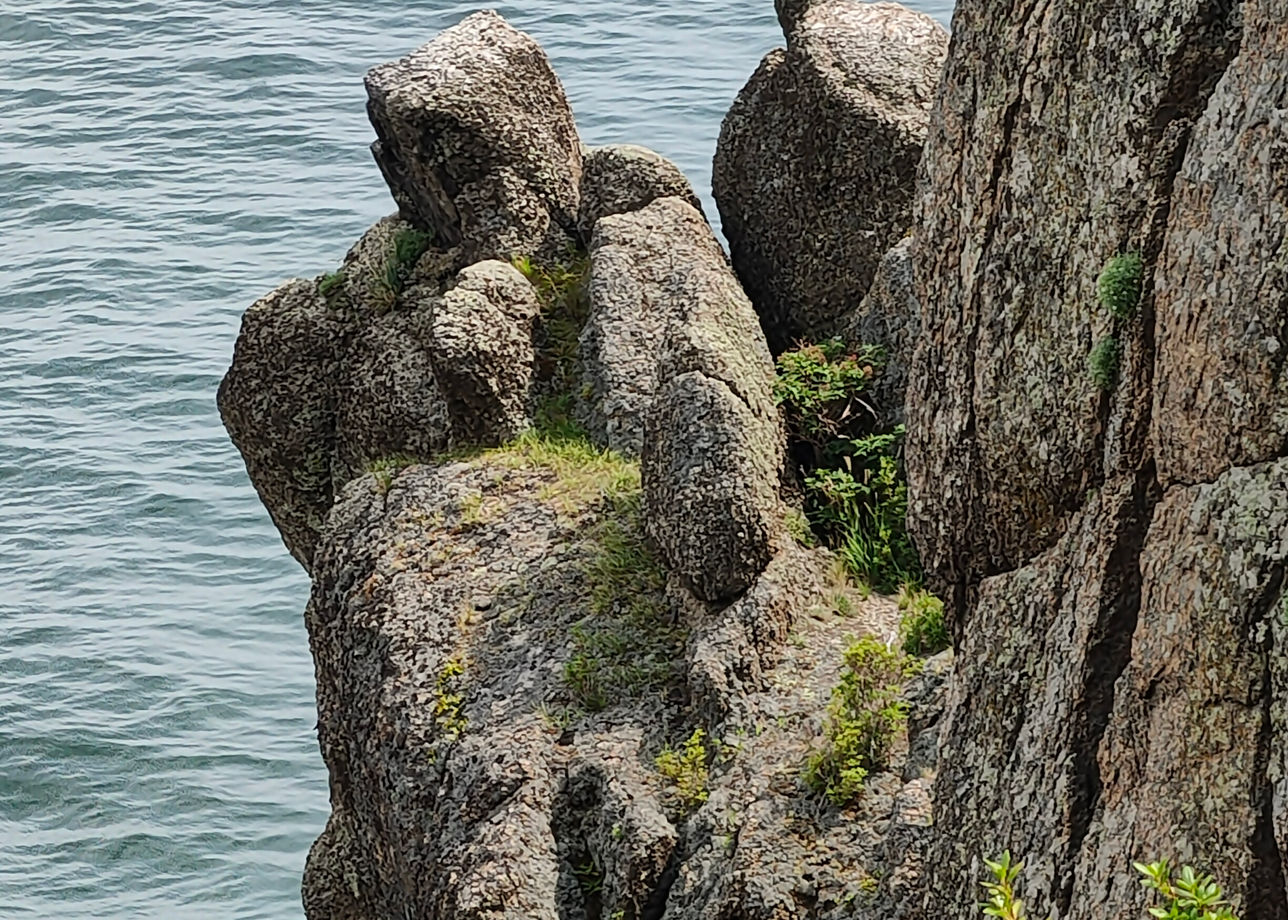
{"x": 820, "y": 389}
{"x": 1186, "y": 896}
{"x": 405, "y": 250}
{"x": 1119, "y": 285}
{"x": 686, "y": 769}
{"x": 864, "y": 718}
{"x": 447, "y": 702}
{"x": 921, "y": 622}
{"x": 862, "y": 507}
{"x": 590, "y": 878}
{"x": 565, "y": 305}
{"x": 385, "y": 469}
{"x": 1002, "y": 901}
{"x": 1103, "y": 363}
{"x": 331, "y": 284}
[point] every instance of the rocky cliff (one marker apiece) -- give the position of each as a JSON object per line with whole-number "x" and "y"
{"x": 578, "y": 654}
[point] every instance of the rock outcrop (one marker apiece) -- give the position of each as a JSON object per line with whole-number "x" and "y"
{"x": 477, "y": 142}
{"x": 625, "y": 177}
{"x": 1114, "y": 543}
{"x": 816, "y": 162}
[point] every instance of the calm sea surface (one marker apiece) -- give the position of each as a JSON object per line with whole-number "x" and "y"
{"x": 161, "y": 166}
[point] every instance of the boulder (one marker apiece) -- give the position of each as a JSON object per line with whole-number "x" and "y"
{"x": 278, "y": 404}
{"x": 623, "y": 177}
{"x": 678, "y": 370}
{"x": 482, "y": 354}
{"x": 477, "y": 142}
{"x": 817, "y": 158}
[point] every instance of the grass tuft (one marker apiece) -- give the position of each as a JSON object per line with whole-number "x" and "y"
{"x": 1103, "y": 363}
{"x": 686, "y": 769}
{"x": 1119, "y": 285}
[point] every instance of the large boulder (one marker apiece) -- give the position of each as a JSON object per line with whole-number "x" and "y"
{"x": 477, "y": 142}
{"x": 817, "y": 158}
{"x": 1114, "y": 544}
{"x": 678, "y": 370}
{"x": 625, "y": 177}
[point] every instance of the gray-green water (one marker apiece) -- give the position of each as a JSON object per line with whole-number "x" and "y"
{"x": 161, "y": 166}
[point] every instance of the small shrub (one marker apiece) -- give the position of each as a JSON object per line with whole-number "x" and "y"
{"x": 1002, "y": 901}
{"x": 1103, "y": 363}
{"x": 686, "y": 769}
{"x": 386, "y": 469}
{"x": 447, "y": 704}
{"x": 820, "y": 388}
{"x": 1119, "y": 285}
{"x": 922, "y": 623}
{"x": 863, "y": 508}
{"x": 864, "y": 718}
{"x": 1186, "y": 896}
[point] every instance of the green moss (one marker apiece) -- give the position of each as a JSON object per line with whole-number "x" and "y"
{"x": 1119, "y": 285}
{"x": 864, "y": 718}
{"x": 922, "y": 625}
{"x": 686, "y": 769}
{"x": 1103, "y": 363}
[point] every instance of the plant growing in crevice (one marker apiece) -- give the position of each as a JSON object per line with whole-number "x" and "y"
{"x": 1103, "y": 363}
{"x": 864, "y": 718}
{"x": 386, "y": 469}
{"x": 565, "y": 305}
{"x": 686, "y": 769}
{"x": 855, "y": 489}
{"x": 921, "y": 623}
{"x": 1119, "y": 285}
{"x": 405, "y": 249}
{"x": 1003, "y": 902}
{"x": 331, "y": 286}
{"x": 447, "y": 701}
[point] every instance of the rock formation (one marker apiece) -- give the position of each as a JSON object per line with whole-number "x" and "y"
{"x": 814, "y": 171}
{"x": 1113, "y": 538}
{"x": 576, "y": 674}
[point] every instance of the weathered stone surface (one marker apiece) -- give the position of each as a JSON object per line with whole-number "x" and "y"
{"x": 454, "y": 796}
{"x": 624, "y": 177}
{"x": 652, "y": 271}
{"x": 1221, "y": 391}
{"x": 815, "y": 166}
{"x": 665, "y": 307}
{"x": 477, "y": 142}
{"x": 388, "y": 403}
{"x": 277, "y": 402}
{"x": 1043, "y": 162}
{"x": 1116, "y": 559}
{"x": 889, "y": 317}
{"x": 481, "y": 332}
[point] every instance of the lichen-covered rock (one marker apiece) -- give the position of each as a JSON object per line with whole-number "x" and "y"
{"x": 711, "y": 485}
{"x": 477, "y": 142}
{"x": 816, "y": 162}
{"x": 678, "y": 370}
{"x": 1115, "y": 552}
{"x": 889, "y": 317}
{"x": 388, "y": 403}
{"x": 653, "y": 272}
{"x": 624, "y": 177}
{"x": 466, "y": 783}
{"x": 278, "y": 403}
{"x": 481, "y": 334}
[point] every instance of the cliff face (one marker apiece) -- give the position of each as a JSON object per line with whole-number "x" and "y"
{"x": 1114, "y": 548}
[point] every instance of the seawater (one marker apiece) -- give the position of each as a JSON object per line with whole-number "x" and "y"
{"x": 161, "y": 166}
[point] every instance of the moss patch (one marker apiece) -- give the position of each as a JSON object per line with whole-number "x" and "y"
{"x": 1103, "y": 363}
{"x": 1119, "y": 285}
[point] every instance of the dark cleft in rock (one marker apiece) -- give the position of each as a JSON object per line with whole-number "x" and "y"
{"x": 816, "y": 162}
